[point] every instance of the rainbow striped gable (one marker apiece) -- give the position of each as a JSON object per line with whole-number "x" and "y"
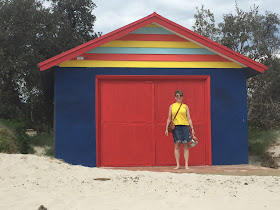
{"x": 151, "y": 46}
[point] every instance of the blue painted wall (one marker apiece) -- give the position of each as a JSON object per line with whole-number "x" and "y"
{"x": 75, "y": 116}
{"x": 75, "y": 112}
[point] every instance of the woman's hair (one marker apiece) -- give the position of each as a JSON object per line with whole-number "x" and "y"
{"x": 179, "y": 92}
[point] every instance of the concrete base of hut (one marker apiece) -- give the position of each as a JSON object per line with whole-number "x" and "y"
{"x": 238, "y": 170}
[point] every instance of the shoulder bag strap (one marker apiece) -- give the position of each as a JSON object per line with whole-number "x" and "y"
{"x": 177, "y": 112}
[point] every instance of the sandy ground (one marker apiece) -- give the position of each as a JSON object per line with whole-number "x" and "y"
{"x": 28, "y": 181}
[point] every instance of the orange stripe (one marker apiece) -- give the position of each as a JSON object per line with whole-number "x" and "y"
{"x": 152, "y": 37}
{"x": 153, "y": 57}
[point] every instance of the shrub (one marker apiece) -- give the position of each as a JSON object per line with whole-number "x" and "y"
{"x": 7, "y": 141}
{"x": 260, "y": 140}
{"x": 17, "y": 128}
{"x": 50, "y": 152}
{"x": 44, "y": 140}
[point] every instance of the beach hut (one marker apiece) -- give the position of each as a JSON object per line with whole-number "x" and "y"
{"x": 112, "y": 96}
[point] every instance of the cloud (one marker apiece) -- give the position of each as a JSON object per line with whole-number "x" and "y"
{"x": 114, "y": 14}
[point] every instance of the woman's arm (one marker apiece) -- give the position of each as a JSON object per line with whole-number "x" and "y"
{"x": 190, "y": 120}
{"x": 168, "y": 120}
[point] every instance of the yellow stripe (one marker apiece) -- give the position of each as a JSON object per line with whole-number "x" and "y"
{"x": 148, "y": 64}
{"x": 152, "y": 26}
{"x": 151, "y": 44}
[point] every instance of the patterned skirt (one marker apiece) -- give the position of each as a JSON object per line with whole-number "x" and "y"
{"x": 182, "y": 134}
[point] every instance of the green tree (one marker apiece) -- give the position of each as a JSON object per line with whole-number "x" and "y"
{"x": 19, "y": 23}
{"x": 29, "y": 34}
{"x": 251, "y": 33}
{"x": 264, "y": 96}
{"x": 257, "y": 36}
{"x": 205, "y": 24}
{"x": 73, "y": 23}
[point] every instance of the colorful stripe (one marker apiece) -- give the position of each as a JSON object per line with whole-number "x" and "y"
{"x": 152, "y": 37}
{"x": 133, "y": 50}
{"x": 148, "y": 64}
{"x": 151, "y": 44}
{"x": 150, "y": 30}
{"x": 151, "y": 47}
{"x": 151, "y": 57}
{"x": 152, "y": 25}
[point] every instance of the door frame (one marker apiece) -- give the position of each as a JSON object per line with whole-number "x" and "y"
{"x": 100, "y": 78}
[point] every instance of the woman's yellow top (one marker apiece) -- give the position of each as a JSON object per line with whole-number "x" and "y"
{"x": 181, "y": 118}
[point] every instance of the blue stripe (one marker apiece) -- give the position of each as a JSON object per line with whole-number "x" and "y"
{"x": 151, "y": 30}
{"x": 135, "y": 50}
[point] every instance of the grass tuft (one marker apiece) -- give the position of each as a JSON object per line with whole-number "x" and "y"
{"x": 260, "y": 141}
{"x": 44, "y": 140}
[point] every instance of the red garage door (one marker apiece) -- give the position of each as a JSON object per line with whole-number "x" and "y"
{"x": 132, "y": 114}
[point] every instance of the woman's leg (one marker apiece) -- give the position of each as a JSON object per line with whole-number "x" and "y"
{"x": 177, "y": 155}
{"x": 186, "y": 155}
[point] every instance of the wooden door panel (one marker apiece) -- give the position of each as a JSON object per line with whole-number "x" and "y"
{"x": 127, "y": 145}
{"x": 164, "y": 146}
{"x": 127, "y": 123}
{"x": 126, "y": 101}
{"x": 194, "y": 97}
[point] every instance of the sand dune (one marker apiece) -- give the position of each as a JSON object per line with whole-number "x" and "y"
{"x": 28, "y": 181}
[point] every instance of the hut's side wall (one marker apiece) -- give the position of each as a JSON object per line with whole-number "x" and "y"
{"x": 75, "y": 112}
{"x": 75, "y": 116}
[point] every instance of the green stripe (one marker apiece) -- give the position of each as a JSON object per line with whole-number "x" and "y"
{"x": 135, "y": 50}
{"x": 151, "y": 30}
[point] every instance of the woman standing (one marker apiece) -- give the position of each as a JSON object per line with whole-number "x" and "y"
{"x": 183, "y": 123}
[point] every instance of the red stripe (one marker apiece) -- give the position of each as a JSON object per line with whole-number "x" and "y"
{"x": 153, "y": 57}
{"x": 152, "y": 37}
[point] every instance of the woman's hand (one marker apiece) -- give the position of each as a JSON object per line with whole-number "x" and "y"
{"x": 166, "y": 132}
{"x": 193, "y": 133}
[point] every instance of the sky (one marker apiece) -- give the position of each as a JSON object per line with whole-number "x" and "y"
{"x": 113, "y": 14}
